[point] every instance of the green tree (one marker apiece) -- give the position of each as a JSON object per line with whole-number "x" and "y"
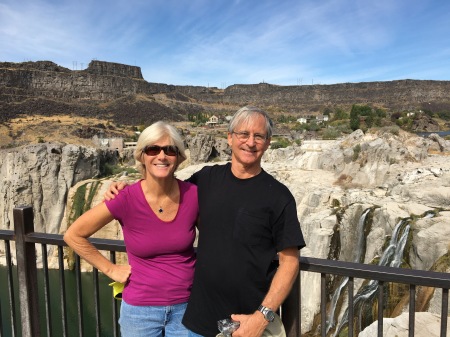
{"x": 354, "y": 118}
{"x": 364, "y": 110}
{"x": 313, "y": 126}
{"x": 369, "y": 121}
{"x": 340, "y": 114}
{"x": 380, "y": 113}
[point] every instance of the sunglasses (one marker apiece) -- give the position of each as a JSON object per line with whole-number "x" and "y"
{"x": 154, "y": 150}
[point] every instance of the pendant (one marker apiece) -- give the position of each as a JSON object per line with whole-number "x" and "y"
{"x": 160, "y": 210}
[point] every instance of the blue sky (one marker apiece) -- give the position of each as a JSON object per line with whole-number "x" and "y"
{"x": 223, "y": 42}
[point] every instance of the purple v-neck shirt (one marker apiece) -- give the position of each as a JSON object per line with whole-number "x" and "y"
{"x": 160, "y": 253}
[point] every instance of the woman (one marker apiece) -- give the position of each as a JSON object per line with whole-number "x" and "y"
{"x": 158, "y": 216}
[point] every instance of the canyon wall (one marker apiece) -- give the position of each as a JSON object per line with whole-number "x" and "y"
{"x": 101, "y": 81}
{"x": 41, "y": 175}
{"x": 106, "y": 81}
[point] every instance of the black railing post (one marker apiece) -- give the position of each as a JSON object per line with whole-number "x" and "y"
{"x": 26, "y": 271}
{"x": 290, "y": 310}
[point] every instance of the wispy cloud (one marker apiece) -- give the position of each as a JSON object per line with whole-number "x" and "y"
{"x": 219, "y": 43}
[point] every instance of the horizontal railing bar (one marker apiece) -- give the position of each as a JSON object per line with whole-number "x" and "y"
{"x": 108, "y": 244}
{"x": 6, "y": 235}
{"x": 358, "y": 270}
{"x": 57, "y": 240}
{"x": 375, "y": 272}
{"x": 45, "y": 238}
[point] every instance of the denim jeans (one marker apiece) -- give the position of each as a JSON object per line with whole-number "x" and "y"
{"x": 152, "y": 321}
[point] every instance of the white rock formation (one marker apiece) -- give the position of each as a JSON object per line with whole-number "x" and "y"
{"x": 426, "y": 325}
{"x": 41, "y": 175}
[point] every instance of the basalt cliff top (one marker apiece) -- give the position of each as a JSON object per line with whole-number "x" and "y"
{"x": 119, "y": 92}
{"x": 115, "y": 97}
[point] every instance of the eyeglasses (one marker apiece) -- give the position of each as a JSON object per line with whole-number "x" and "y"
{"x": 154, "y": 150}
{"x": 244, "y": 136}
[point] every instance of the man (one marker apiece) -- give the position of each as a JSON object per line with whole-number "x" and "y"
{"x": 246, "y": 218}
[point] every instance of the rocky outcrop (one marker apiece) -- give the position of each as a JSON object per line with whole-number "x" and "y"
{"x": 205, "y": 148}
{"x": 41, "y": 175}
{"x": 361, "y": 159}
{"x": 424, "y": 123}
{"x": 114, "y": 69}
{"x": 426, "y": 324}
{"x": 392, "y": 175}
{"x": 402, "y": 95}
{"x": 101, "y": 81}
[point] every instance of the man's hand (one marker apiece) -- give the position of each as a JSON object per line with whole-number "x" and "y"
{"x": 114, "y": 189}
{"x": 250, "y": 325}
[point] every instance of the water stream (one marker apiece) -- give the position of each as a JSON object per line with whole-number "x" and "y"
{"x": 392, "y": 256}
{"x": 359, "y": 253}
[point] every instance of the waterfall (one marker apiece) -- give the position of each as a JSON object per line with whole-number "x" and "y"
{"x": 330, "y": 321}
{"x": 398, "y": 253}
{"x": 359, "y": 252}
{"x": 361, "y": 237}
{"x": 392, "y": 256}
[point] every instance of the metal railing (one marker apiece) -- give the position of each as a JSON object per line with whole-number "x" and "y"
{"x": 30, "y": 314}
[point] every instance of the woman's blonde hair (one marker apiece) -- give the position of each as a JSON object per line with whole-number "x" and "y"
{"x": 153, "y": 134}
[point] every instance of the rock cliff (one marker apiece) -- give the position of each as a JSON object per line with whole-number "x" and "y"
{"x": 41, "y": 175}
{"x": 393, "y": 177}
{"x": 44, "y": 87}
{"x": 205, "y": 148}
{"x": 104, "y": 90}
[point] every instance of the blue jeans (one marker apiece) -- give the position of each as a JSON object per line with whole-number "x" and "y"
{"x": 152, "y": 321}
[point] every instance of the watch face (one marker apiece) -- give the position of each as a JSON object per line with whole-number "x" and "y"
{"x": 270, "y": 316}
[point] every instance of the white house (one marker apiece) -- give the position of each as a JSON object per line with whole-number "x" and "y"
{"x": 322, "y": 118}
{"x": 213, "y": 120}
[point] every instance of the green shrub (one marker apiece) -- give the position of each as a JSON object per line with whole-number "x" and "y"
{"x": 78, "y": 203}
{"x": 110, "y": 170}
{"x": 280, "y": 143}
{"x": 395, "y": 130}
{"x": 331, "y": 133}
{"x": 356, "y": 152}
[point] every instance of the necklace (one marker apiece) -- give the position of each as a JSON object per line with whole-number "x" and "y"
{"x": 161, "y": 209}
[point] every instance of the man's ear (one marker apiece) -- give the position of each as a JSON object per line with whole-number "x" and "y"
{"x": 267, "y": 143}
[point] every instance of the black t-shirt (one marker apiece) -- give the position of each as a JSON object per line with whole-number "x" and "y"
{"x": 243, "y": 224}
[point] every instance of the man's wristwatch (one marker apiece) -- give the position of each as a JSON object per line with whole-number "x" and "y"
{"x": 269, "y": 315}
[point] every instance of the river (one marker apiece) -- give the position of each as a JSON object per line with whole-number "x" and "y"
{"x": 440, "y": 133}
{"x": 106, "y": 325}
